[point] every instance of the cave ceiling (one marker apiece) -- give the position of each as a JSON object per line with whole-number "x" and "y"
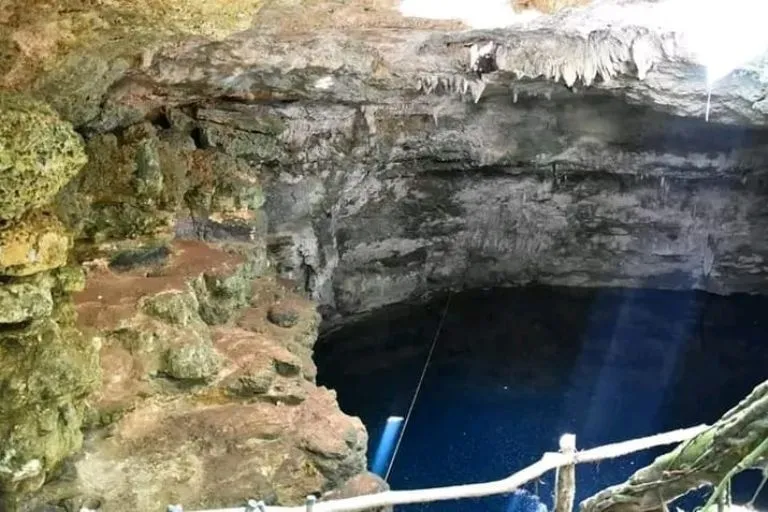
{"x": 104, "y": 64}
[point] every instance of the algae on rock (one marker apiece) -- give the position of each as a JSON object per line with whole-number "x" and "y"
{"x": 70, "y": 52}
{"x": 39, "y": 153}
{"x": 46, "y": 372}
{"x": 22, "y": 302}
{"x": 193, "y": 361}
{"x": 129, "y": 188}
{"x": 47, "y": 366}
{"x": 221, "y": 297}
{"x": 139, "y": 182}
{"x": 36, "y": 242}
{"x": 174, "y": 307}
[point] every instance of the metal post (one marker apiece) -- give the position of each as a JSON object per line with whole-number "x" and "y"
{"x": 565, "y": 484}
{"x": 311, "y": 502}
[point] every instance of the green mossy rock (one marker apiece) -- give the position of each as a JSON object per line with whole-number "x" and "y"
{"x": 222, "y": 297}
{"x": 196, "y": 361}
{"x": 132, "y": 186}
{"x": 39, "y": 153}
{"x": 174, "y": 307}
{"x": 69, "y": 279}
{"x": 38, "y": 241}
{"x": 46, "y": 372}
{"x": 22, "y": 302}
{"x": 76, "y": 86}
{"x": 219, "y": 183}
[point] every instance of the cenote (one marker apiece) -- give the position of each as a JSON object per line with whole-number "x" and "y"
{"x": 514, "y": 369}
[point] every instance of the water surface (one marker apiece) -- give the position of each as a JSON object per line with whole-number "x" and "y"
{"x": 515, "y": 369}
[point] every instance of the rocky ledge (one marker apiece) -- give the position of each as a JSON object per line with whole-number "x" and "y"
{"x": 173, "y": 369}
{"x": 207, "y": 395}
{"x": 636, "y": 50}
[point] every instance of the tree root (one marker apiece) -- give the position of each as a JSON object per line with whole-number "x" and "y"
{"x": 738, "y": 441}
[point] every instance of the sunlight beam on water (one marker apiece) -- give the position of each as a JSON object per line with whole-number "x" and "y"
{"x": 635, "y": 358}
{"x": 386, "y": 445}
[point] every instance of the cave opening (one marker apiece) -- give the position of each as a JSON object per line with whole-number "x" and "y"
{"x": 515, "y": 368}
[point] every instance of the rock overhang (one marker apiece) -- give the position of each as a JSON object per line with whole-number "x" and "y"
{"x": 626, "y": 48}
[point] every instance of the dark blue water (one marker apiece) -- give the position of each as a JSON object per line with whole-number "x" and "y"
{"x": 515, "y": 369}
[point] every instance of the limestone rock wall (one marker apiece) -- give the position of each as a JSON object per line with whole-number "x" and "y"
{"x": 148, "y": 353}
{"x": 207, "y": 397}
{"x": 47, "y": 366}
{"x": 353, "y": 150}
{"x": 374, "y": 204}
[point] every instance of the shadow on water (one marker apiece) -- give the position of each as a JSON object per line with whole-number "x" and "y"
{"x": 514, "y": 369}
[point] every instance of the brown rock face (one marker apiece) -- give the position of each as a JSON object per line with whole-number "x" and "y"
{"x": 200, "y": 415}
{"x": 214, "y": 455}
{"x": 38, "y": 242}
{"x": 360, "y": 485}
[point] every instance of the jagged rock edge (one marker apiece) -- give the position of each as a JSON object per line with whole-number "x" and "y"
{"x": 602, "y": 55}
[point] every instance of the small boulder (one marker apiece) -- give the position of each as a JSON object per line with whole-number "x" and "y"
{"x": 69, "y": 279}
{"x": 39, "y": 153}
{"x": 287, "y": 391}
{"x": 175, "y": 307}
{"x": 257, "y": 365}
{"x": 21, "y": 302}
{"x": 128, "y": 260}
{"x": 283, "y": 315}
{"x": 195, "y": 362}
{"x": 360, "y": 485}
{"x": 37, "y": 242}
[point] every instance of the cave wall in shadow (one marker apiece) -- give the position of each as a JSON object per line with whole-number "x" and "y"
{"x": 373, "y": 204}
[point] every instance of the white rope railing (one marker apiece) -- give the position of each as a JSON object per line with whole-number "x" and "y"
{"x": 548, "y": 462}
